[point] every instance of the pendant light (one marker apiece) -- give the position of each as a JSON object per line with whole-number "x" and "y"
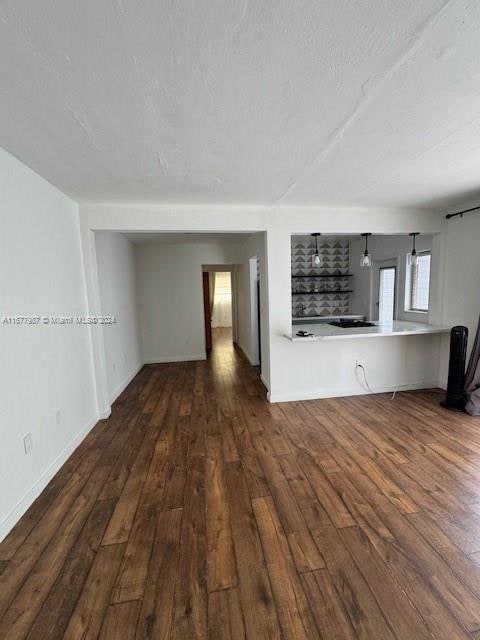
{"x": 365, "y": 258}
{"x": 316, "y": 260}
{"x": 413, "y": 258}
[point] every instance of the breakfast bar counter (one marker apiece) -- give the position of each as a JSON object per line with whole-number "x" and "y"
{"x": 325, "y": 331}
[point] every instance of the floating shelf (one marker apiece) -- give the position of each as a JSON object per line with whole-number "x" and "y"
{"x": 306, "y": 293}
{"x": 323, "y": 275}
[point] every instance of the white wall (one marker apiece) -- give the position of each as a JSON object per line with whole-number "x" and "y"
{"x": 46, "y": 375}
{"x": 171, "y": 298}
{"x": 363, "y": 299}
{"x": 461, "y": 301}
{"x": 462, "y": 273}
{"x": 327, "y": 368}
{"x": 118, "y": 297}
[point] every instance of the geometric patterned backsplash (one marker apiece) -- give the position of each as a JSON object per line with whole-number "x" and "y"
{"x": 335, "y": 261}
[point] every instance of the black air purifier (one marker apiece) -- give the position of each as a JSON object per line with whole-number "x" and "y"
{"x": 455, "y": 398}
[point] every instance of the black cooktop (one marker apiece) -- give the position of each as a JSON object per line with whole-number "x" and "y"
{"x": 351, "y": 324}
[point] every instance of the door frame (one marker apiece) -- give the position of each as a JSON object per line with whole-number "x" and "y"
{"x": 255, "y": 329}
{"x": 207, "y": 316}
{"x": 232, "y": 269}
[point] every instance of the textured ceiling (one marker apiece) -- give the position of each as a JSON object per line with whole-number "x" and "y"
{"x": 227, "y": 101}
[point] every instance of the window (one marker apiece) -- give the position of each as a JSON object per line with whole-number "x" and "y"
{"x": 419, "y": 285}
{"x": 222, "y": 300}
{"x": 386, "y": 295}
{"x": 223, "y": 290}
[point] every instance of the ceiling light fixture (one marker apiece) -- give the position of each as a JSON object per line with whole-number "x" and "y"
{"x": 413, "y": 258}
{"x": 316, "y": 260}
{"x": 366, "y": 258}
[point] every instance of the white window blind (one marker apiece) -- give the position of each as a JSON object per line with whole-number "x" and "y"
{"x": 223, "y": 286}
{"x": 420, "y": 283}
{"x": 386, "y": 295}
{"x": 222, "y": 300}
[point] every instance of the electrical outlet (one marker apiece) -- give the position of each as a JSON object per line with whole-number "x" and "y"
{"x": 28, "y": 443}
{"x": 358, "y": 363}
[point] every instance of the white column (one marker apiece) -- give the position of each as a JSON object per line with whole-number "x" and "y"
{"x": 279, "y": 303}
{"x": 94, "y": 309}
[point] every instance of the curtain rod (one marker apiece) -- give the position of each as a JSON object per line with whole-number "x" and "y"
{"x": 460, "y": 213}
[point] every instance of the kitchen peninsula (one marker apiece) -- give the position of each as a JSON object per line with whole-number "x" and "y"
{"x": 326, "y": 331}
{"x": 375, "y": 319}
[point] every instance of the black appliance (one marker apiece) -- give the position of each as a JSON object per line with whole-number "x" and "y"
{"x": 351, "y": 324}
{"x": 455, "y": 398}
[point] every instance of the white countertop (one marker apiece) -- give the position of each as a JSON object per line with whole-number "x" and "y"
{"x": 325, "y": 331}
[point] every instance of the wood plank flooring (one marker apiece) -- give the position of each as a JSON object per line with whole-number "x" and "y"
{"x": 198, "y": 510}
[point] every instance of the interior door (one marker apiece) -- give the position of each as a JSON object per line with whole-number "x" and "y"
{"x": 386, "y": 291}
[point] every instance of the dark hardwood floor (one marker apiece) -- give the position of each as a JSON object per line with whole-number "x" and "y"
{"x": 198, "y": 510}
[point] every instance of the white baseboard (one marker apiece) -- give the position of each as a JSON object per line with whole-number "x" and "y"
{"x": 251, "y": 360}
{"x": 339, "y": 393}
{"x": 124, "y": 383}
{"x": 11, "y": 519}
{"x": 163, "y": 359}
{"x": 265, "y": 382}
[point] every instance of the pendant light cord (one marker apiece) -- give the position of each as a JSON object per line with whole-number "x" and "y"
{"x": 365, "y": 235}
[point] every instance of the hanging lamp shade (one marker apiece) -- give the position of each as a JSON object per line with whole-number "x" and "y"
{"x": 316, "y": 259}
{"x": 413, "y": 257}
{"x": 366, "y": 258}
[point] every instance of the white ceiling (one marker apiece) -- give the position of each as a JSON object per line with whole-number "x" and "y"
{"x": 238, "y": 101}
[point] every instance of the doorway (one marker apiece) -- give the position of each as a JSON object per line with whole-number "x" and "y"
{"x": 218, "y": 307}
{"x": 386, "y": 287}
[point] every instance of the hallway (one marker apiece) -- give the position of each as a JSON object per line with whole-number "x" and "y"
{"x": 199, "y": 510}
{"x": 222, "y": 341}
